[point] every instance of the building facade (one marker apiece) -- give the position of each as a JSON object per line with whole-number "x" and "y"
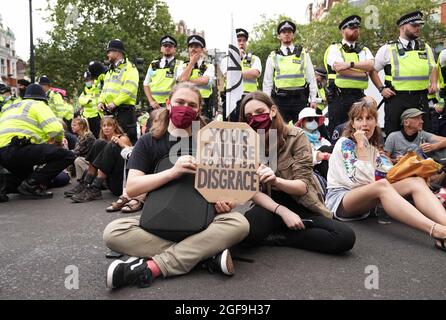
{"x": 8, "y": 57}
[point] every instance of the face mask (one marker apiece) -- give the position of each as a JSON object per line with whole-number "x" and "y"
{"x": 311, "y": 125}
{"x": 182, "y": 117}
{"x": 260, "y": 121}
{"x": 88, "y": 84}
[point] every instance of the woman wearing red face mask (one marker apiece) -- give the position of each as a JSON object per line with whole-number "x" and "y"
{"x": 290, "y": 210}
{"x": 169, "y": 258}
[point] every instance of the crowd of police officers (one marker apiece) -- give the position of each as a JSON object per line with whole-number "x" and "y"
{"x": 31, "y": 132}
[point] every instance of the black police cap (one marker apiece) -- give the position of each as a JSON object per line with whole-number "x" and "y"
{"x": 96, "y": 69}
{"x": 35, "y": 92}
{"x": 286, "y": 25}
{"x": 168, "y": 39}
{"x": 4, "y": 88}
{"x": 321, "y": 71}
{"x": 23, "y": 82}
{"x": 195, "y": 38}
{"x": 415, "y": 17}
{"x": 116, "y": 45}
{"x": 242, "y": 33}
{"x": 351, "y": 21}
{"x": 44, "y": 80}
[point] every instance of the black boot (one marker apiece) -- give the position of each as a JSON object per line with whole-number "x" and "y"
{"x": 83, "y": 183}
{"x": 32, "y": 190}
{"x": 3, "y": 196}
{"x": 92, "y": 192}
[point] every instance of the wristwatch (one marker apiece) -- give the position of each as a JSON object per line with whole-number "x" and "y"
{"x": 352, "y": 64}
{"x": 380, "y": 89}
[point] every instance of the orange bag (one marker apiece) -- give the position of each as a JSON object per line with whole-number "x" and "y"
{"x": 412, "y": 165}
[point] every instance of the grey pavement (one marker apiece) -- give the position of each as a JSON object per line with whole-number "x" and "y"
{"x": 40, "y": 239}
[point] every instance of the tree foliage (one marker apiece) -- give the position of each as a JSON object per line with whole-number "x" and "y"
{"x": 83, "y": 28}
{"x": 378, "y": 27}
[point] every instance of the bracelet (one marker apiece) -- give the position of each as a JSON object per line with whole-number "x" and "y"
{"x": 275, "y": 210}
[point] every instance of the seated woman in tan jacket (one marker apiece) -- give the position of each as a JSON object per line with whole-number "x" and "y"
{"x": 290, "y": 211}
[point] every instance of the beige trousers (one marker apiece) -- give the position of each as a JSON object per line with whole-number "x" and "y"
{"x": 81, "y": 166}
{"x": 126, "y": 236}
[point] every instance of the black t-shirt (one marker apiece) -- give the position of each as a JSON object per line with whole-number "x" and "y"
{"x": 148, "y": 151}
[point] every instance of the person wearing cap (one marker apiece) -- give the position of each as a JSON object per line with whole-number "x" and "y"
{"x": 199, "y": 72}
{"x": 119, "y": 93}
{"x": 251, "y": 70}
{"x": 21, "y": 85}
{"x": 289, "y": 75}
{"x": 411, "y": 73}
{"x": 31, "y": 135}
{"x": 89, "y": 98}
{"x": 55, "y": 100}
{"x": 162, "y": 74}
{"x": 310, "y": 122}
{"x": 7, "y": 97}
{"x": 348, "y": 64}
{"x": 321, "y": 80}
{"x": 412, "y": 137}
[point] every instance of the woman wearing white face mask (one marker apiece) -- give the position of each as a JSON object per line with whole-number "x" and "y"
{"x": 310, "y": 122}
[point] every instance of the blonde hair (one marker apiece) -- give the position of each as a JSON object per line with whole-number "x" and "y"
{"x": 83, "y": 126}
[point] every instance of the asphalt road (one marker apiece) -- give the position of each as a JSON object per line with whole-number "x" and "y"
{"x": 41, "y": 241}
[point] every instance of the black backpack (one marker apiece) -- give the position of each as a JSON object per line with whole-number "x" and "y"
{"x": 176, "y": 210}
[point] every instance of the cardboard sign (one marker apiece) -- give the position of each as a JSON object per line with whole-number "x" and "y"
{"x": 227, "y": 162}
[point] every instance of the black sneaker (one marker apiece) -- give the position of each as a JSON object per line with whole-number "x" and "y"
{"x": 222, "y": 262}
{"x": 32, "y": 190}
{"x": 87, "y": 195}
{"x": 77, "y": 189}
{"x": 134, "y": 271}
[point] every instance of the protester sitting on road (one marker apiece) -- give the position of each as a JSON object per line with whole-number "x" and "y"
{"x": 412, "y": 137}
{"x": 104, "y": 164}
{"x": 310, "y": 122}
{"x": 85, "y": 141}
{"x": 168, "y": 258}
{"x": 293, "y": 213}
{"x": 353, "y": 191}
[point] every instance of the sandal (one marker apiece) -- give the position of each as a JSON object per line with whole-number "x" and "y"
{"x": 440, "y": 246}
{"x": 118, "y": 204}
{"x": 133, "y": 205}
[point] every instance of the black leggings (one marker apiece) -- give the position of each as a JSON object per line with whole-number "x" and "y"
{"x": 327, "y": 235}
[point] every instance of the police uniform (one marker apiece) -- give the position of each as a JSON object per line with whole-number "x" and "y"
{"x": 289, "y": 77}
{"x": 55, "y": 100}
{"x": 408, "y": 66}
{"x": 69, "y": 113}
{"x": 89, "y": 99}
{"x": 321, "y": 90}
{"x": 441, "y": 67}
{"x": 6, "y": 101}
{"x": 162, "y": 74}
{"x": 121, "y": 89}
{"x": 249, "y": 62}
{"x": 25, "y": 129}
{"x": 201, "y": 69}
{"x": 345, "y": 90}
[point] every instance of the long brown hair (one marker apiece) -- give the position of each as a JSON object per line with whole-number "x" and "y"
{"x": 161, "y": 117}
{"x": 116, "y": 128}
{"x": 365, "y": 105}
{"x": 277, "y": 123}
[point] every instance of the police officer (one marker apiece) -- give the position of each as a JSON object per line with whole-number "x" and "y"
{"x": 8, "y": 98}
{"x": 26, "y": 131}
{"x": 69, "y": 112}
{"x": 321, "y": 80}
{"x": 198, "y": 71}
{"x": 251, "y": 70}
{"x": 411, "y": 73}
{"x": 348, "y": 64}
{"x": 441, "y": 66}
{"x": 89, "y": 99}
{"x": 289, "y": 75}
{"x": 162, "y": 74}
{"x": 21, "y": 85}
{"x": 55, "y": 100}
{"x": 118, "y": 96}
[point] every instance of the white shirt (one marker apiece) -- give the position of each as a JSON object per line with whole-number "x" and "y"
{"x": 443, "y": 58}
{"x": 150, "y": 71}
{"x": 268, "y": 78}
{"x": 335, "y": 55}
{"x": 210, "y": 71}
{"x": 255, "y": 64}
{"x": 382, "y": 57}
